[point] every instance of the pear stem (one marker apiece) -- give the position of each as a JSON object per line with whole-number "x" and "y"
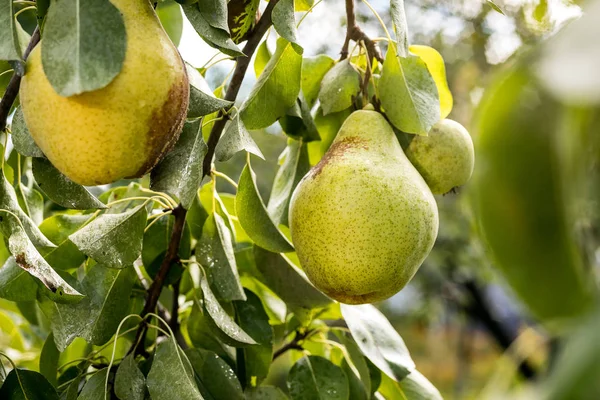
{"x": 12, "y": 89}
{"x": 354, "y": 32}
{"x": 179, "y": 212}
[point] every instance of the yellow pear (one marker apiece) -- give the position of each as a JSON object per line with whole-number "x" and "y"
{"x": 445, "y": 157}
{"x": 363, "y": 219}
{"x": 123, "y": 129}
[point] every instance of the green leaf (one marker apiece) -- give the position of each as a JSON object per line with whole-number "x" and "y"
{"x": 273, "y": 305}
{"x": 294, "y": 166}
{"x": 214, "y": 252}
{"x": 214, "y": 37}
{"x": 408, "y": 93}
{"x": 236, "y": 138}
{"x": 15, "y": 283}
{"x": 314, "y": 377}
{"x": 171, "y": 375}
{"x": 10, "y": 48}
{"x": 339, "y": 87}
{"x": 313, "y": 71}
{"x": 96, "y": 317}
{"x": 114, "y": 240}
{"x": 288, "y": 281}
{"x": 204, "y": 334}
{"x": 202, "y": 99}
{"x": 81, "y": 52}
{"x": 495, "y": 7}
{"x": 254, "y": 320}
{"x": 435, "y": 64}
{"x": 157, "y": 239}
{"x": 27, "y": 385}
{"x": 298, "y": 122}
{"x": 356, "y": 368}
{"x": 265, "y": 393}
{"x": 49, "y": 360}
{"x": 275, "y": 90}
{"x": 236, "y": 335}
{"x": 215, "y": 13}
{"x": 28, "y": 258}
{"x": 32, "y": 202}
{"x": 21, "y": 137}
{"x": 254, "y": 217}
{"x": 304, "y": 5}
{"x": 196, "y": 217}
{"x": 400, "y": 26}
{"x": 171, "y": 19}
{"x": 284, "y": 20}
{"x": 130, "y": 383}
{"x": 261, "y": 59}
{"x": 61, "y": 189}
{"x": 180, "y": 172}
{"x": 378, "y": 340}
{"x": 414, "y": 387}
{"x": 58, "y": 228}
{"x": 94, "y": 388}
{"x": 215, "y": 374}
{"x": 8, "y": 201}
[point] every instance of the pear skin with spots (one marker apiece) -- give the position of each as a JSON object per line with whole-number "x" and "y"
{"x": 121, "y": 130}
{"x": 363, "y": 220}
{"x": 445, "y": 158}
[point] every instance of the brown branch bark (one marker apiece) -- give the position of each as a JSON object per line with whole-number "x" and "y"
{"x": 354, "y": 32}
{"x": 294, "y": 344}
{"x": 12, "y": 90}
{"x": 236, "y": 81}
{"x": 179, "y": 212}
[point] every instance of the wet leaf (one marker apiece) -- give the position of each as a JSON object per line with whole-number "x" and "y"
{"x": 215, "y": 252}
{"x": 81, "y": 52}
{"x": 236, "y": 138}
{"x": 180, "y": 172}
{"x": 408, "y": 93}
{"x": 275, "y": 90}
{"x": 378, "y": 340}
{"x": 339, "y": 87}
{"x": 254, "y": 218}
{"x": 114, "y": 240}
{"x": 61, "y": 189}
{"x": 171, "y": 375}
{"x": 314, "y": 377}
{"x": 130, "y": 383}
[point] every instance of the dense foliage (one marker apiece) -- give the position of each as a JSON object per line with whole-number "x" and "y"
{"x": 169, "y": 287}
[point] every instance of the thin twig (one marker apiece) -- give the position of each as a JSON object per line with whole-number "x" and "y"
{"x": 353, "y": 32}
{"x": 236, "y": 81}
{"x": 179, "y": 212}
{"x": 12, "y": 90}
{"x": 294, "y": 344}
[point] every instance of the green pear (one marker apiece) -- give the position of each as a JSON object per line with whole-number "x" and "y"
{"x": 445, "y": 158}
{"x": 363, "y": 219}
{"x": 123, "y": 129}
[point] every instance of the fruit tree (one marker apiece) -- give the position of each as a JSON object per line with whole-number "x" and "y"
{"x": 136, "y": 266}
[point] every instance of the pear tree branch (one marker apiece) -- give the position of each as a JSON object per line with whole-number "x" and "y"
{"x": 354, "y": 32}
{"x": 12, "y": 90}
{"x": 179, "y": 212}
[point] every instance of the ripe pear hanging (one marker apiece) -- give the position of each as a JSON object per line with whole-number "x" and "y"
{"x": 123, "y": 129}
{"x": 445, "y": 158}
{"x": 363, "y": 219}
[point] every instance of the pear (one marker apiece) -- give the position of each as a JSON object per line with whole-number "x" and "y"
{"x": 445, "y": 158}
{"x": 363, "y": 219}
{"x": 123, "y": 129}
